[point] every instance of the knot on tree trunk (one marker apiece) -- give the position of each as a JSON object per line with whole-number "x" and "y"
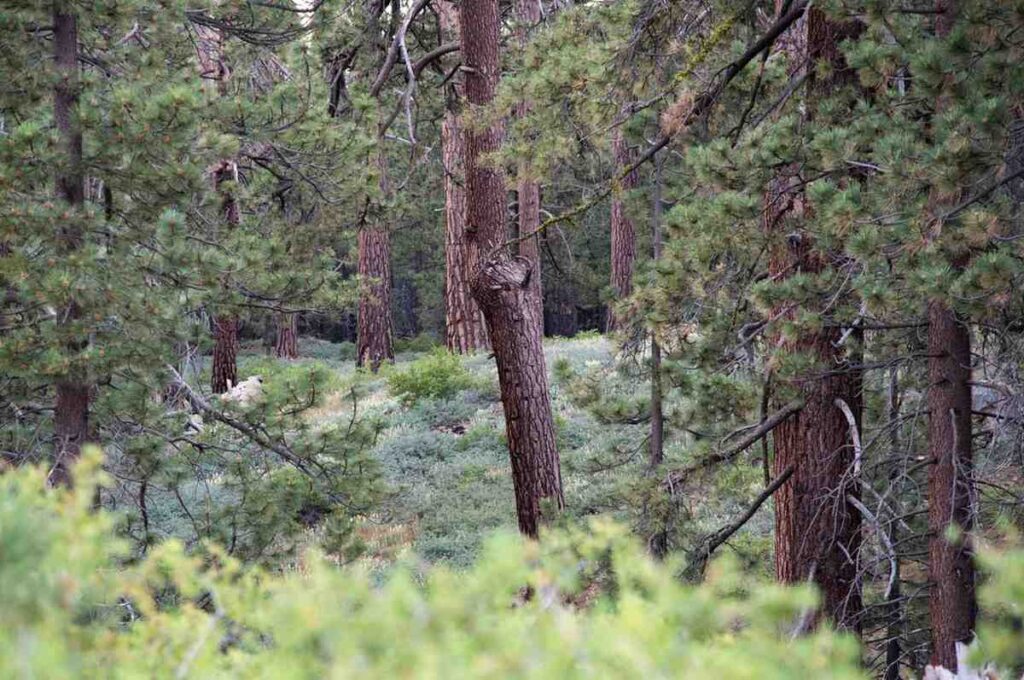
{"x": 498, "y": 275}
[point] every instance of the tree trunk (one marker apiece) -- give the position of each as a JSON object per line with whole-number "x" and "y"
{"x": 465, "y": 331}
{"x": 528, "y": 191}
{"x": 374, "y": 344}
{"x": 623, "y": 234}
{"x": 500, "y": 284}
{"x": 214, "y": 70}
{"x": 656, "y": 453}
{"x": 951, "y": 570}
{"x": 224, "y": 374}
{"x": 817, "y": 531}
{"x": 225, "y": 327}
{"x": 375, "y": 332}
{"x": 952, "y": 602}
{"x": 71, "y": 408}
{"x": 287, "y": 346}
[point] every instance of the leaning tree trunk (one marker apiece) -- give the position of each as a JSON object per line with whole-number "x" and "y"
{"x": 286, "y": 346}
{"x": 465, "y": 331}
{"x": 817, "y": 530}
{"x": 528, "y": 16}
{"x": 623, "y": 234}
{"x": 71, "y": 409}
{"x": 501, "y": 285}
{"x": 952, "y": 601}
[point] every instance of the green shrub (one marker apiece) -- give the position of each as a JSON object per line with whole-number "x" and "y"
{"x": 600, "y": 608}
{"x": 416, "y": 344}
{"x": 437, "y": 375}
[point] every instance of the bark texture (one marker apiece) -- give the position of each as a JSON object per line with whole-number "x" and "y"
{"x": 528, "y": 191}
{"x": 623, "y": 254}
{"x": 501, "y": 285}
{"x": 225, "y": 327}
{"x": 215, "y": 74}
{"x": 225, "y": 354}
{"x": 465, "y": 331}
{"x": 71, "y": 408}
{"x": 287, "y": 344}
{"x": 375, "y": 342}
{"x": 817, "y": 531}
{"x": 952, "y": 601}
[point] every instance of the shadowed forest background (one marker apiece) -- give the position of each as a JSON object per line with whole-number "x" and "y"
{"x": 529, "y": 338}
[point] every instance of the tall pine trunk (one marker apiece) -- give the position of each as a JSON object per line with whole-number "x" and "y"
{"x": 214, "y": 70}
{"x": 287, "y": 345}
{"x": 656, "y": 452}
{"x": 374, "y": 342}
{"x": 952, "y": 602}
{"x": 501, "y": 286}
{"x": 224, "y": 374}
{"x": 528, "y": 191}
{"x": 71, "y": 409}
{"x": 623, "y": 254}
{"x": 374, "y": 331}
{"x": 465, "y": 331}
{"x": 817, "y": 531}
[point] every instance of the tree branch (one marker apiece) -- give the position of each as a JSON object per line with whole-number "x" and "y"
{"x": 770, "y": 423}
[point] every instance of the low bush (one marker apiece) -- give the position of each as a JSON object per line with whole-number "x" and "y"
{"x": 437, "y": 375}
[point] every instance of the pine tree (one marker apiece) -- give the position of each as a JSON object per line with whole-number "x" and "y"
{"x": 71, "y": 410}
{"x": 500, "y": 285}
{"x": 465, "y": 330}
{"x": 623, "y": 253}
{"x": 528, "y": 190}
{"x": 952, "y": 602}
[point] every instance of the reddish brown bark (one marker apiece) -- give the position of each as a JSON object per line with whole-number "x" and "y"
{"x": 71, "y": 408}
{"x": 214, "y": 69}
{"x": 817, "y": 531}
{"x": 287, "y": 344}
{"x": 465, "y": 330}
{"x": 528, "y": 191}
{"x": 623, "y": 254}
{"x": 374, "y": 344}
{"x": 950, "y": 567}
{"x": 500, "y": 284}
{"x": 224, "y": 374}
{"x": 952, "y": 601}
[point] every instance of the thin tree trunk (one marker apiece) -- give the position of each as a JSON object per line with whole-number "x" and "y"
{"x": 893, "y": 605}
{"x": 952, "y": 602}
{"x": 657, "y": 443}
{"x": 287, "y": 346}
{"x": 528, "y": 191}
{"x": 623, "y": 254}
{"x": 500, "y": 284}
{"x": 817, "y": 531}
{"x": 71, "y": 409}
{"x": 465, "y": 331}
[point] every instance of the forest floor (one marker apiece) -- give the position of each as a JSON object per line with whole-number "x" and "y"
{"x": 445, "y": 462}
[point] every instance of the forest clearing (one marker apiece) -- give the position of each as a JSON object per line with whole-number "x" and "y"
{"x": 512, "y": 338}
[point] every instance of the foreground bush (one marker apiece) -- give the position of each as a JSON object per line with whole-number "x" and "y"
{"x": 599, "y": 608}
